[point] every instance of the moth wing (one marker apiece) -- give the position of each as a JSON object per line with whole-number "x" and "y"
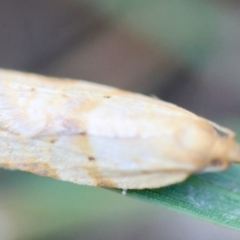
{"x": 91, "y": 161}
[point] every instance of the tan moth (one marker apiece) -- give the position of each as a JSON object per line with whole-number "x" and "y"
{"x": 96, "y": 135}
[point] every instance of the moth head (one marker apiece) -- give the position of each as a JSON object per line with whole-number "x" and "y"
{"x": 224, "y": 150}
{"x": 222, "y": 156}
{"x": 214, "y": 148}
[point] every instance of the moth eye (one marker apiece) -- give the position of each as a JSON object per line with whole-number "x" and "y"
{"x": 221, "y": 133}
{"x": 216, "y": 162}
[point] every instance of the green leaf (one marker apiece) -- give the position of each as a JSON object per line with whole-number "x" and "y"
{"x": 212, "y": 197}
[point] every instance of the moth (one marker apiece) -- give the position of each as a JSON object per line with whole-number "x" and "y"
{"x": 97, "y": 135}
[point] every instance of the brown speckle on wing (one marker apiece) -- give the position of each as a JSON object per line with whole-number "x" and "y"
{"x": 98, "y": 177}
{"x": 90, "y": 158}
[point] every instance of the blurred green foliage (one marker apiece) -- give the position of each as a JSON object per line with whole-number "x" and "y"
{"x": 187, "y": 28}
{"x": 39, "y": 206}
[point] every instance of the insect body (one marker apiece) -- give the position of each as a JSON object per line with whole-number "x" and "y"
{"x": 97, "y": 135}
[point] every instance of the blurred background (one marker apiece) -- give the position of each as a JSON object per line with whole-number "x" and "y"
{"x": 186, "y": 52}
